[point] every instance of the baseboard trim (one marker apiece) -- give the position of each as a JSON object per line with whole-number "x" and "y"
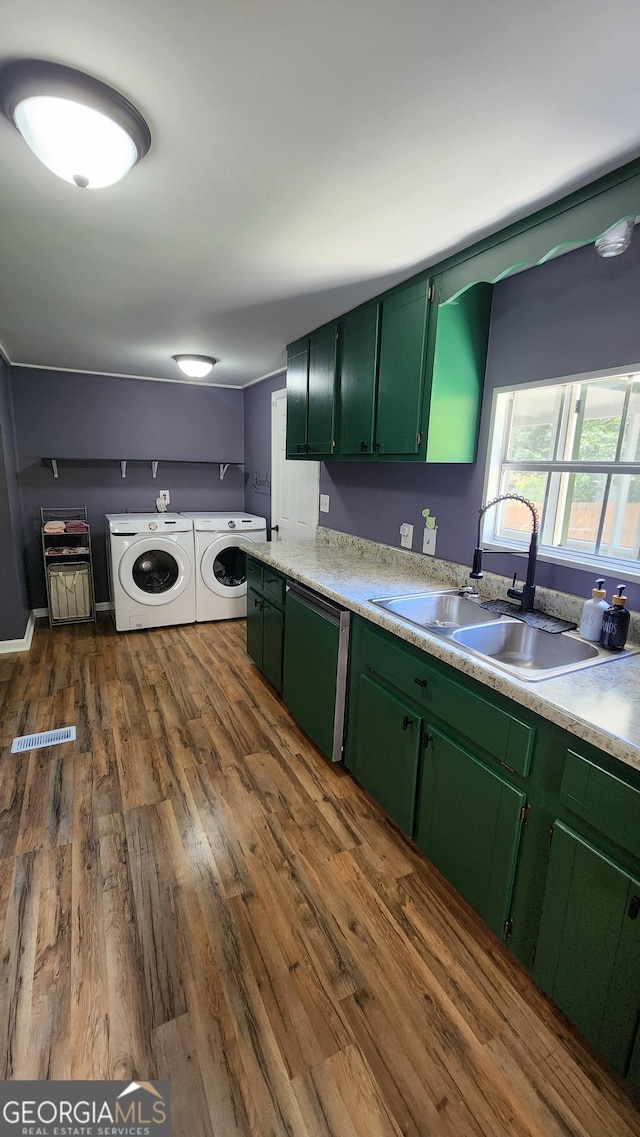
{"x": 103, "y": 606}
{"x": 7, "y": 647}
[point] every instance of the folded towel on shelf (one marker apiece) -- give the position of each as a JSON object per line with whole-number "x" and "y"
{"x": 77, "y": 527}
{"x": 54, "y": 527}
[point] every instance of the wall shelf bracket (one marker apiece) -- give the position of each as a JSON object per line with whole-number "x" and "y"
{"x": 123, "y": 468}
{"x": 154, "y": 469}
{"x": 53, "y": 462}
{"x": 224, "y": 466}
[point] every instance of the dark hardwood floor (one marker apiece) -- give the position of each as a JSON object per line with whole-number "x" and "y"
{"x": 190, "y": 892}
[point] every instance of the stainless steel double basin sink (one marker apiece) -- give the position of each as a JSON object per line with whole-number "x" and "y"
{"x": 507, "y": 643}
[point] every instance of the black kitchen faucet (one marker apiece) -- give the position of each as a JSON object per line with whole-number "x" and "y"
{"x": 526, "y": 594}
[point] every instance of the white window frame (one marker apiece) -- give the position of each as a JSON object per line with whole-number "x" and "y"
{"x": 625, "y": 569}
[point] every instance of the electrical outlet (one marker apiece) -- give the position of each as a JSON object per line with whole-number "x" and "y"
{"x": 324, "y": 502}
{"x": 429, "y": 542}
{"x": 166, "y": 496}
{"x": 406, "y": 536}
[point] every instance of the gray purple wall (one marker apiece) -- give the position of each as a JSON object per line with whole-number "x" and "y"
{"x": 89, "y": 423}
{"x": 257, "y": 444}
{"x": 14, "y": 611}
{"x": 575, "y": 314}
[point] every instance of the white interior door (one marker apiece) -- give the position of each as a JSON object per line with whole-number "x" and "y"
{"x": 294, "y": 485}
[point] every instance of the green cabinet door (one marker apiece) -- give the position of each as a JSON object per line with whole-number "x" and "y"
{"x": 272, "y": 643}
{"x": 297, "y": 400}
{"x": 633, "y": 1074}
{"x": 457, "y": 378}
{"x": 254, "y": 626}
{"x": 321, "y": 391}
{"x": 358, "y": 380}
{"x": 385, "y": 754}
{"x": 312, "y": 641}
{"x": 588, "y": 951}
{"x": 401, "y": 370}
{"x": 469, "y": 824}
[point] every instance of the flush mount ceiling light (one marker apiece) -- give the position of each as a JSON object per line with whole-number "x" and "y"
{"x": 195, "y": 366}
{"x": 81, "y": 129}
{"x": 616, "y": 240}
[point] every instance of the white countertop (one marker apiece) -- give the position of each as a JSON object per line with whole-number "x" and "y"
{"x": 600, "y": 704}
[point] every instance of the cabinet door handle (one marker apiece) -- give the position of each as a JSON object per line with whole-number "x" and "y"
{"x": 364, "y": 446}
{"x": 301, "y": 447}
{"x": 634, "y": 908}
{"x": 376, "y": 446}
{"x": 407, "y": 722}
{"x": 420, "y": 682}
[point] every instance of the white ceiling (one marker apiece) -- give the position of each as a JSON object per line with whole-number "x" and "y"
{"x": 306, "y": 154}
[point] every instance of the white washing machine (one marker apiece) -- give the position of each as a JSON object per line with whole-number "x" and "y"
{"x": 150, "y": 562}
{"x": 222, "y": 542}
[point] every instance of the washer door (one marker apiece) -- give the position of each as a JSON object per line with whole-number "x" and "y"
{"x": 154, "y": 571}
{"x": 223, "y": 565}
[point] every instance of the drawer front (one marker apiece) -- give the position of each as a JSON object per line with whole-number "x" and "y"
{"x": 604, "y": 801}
{"x": 254, "y": 574}
{"x": 497, "y": 731}
{"x": 273, "y": 585}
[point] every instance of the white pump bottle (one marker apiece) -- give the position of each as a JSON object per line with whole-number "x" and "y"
{"x": 592, "y": 613}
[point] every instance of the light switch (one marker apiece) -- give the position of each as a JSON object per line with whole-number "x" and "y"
{"x": 429, "y": 542}
{"x": 324, "y": 502}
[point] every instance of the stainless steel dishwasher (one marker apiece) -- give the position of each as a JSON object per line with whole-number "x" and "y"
{"x": 316, "y": 651}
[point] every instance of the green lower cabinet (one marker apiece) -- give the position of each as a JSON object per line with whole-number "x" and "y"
{"x": 385, "y": 755}
{"x": 254, "y": 626}
{"x": 272, "y": 643}
{"x": 588, "y": 953}
{"x": 310, "y": 673}
{"x": 469, "y": 824}
{"x": 265, "y": 624}
{"x": 633, "y": 1074}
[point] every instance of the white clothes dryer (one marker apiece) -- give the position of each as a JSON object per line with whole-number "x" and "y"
{"x": 222, "y": 542}
{"x": 150, "y": 563}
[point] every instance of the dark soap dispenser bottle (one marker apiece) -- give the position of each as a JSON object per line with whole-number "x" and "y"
{"x": 615, "y": 622}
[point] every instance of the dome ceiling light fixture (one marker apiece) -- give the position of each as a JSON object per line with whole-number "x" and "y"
{"x": 195, "y": 366}
{"x": 616, "y": 240}
{"x": 82, "y": 130}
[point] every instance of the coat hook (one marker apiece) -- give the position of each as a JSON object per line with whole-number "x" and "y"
{"x": 123, "y": 468}
{"x": 154, "y": 469}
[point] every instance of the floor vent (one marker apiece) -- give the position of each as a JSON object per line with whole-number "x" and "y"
{"x": 45, "y": 738}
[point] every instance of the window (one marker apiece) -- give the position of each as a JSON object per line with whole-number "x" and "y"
{"x": 573, "y": 449}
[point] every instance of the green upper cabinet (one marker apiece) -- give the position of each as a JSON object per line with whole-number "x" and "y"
{"x": 407, "y": 383}
{"x": 297, "y": 397}
{"x": 382, "y": 375}
{"x": 311, "y": 384}
{"x": 588, "y": 953}
{"x": 359, "y": 352}
{"x": 457, "y": 375}
{"x": 401, "y": 371}
{"x": 321, "y": 392}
